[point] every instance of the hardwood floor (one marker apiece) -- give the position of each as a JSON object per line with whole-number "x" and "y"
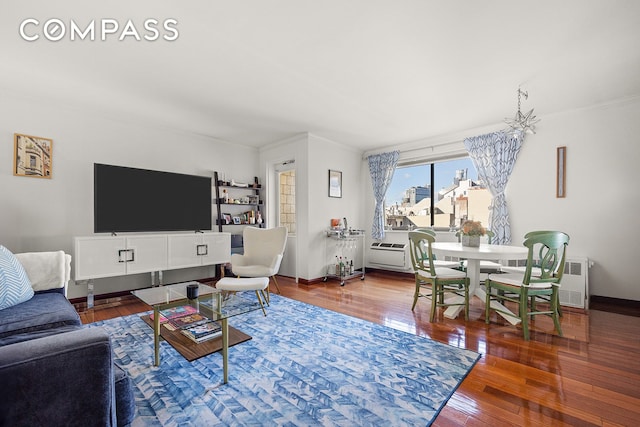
{"x": 589, "y": 377}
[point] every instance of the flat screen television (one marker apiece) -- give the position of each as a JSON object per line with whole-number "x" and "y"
{"x": 129, "y": 199}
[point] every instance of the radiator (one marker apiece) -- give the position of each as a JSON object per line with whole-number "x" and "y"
{"x": 574, "y": 289}
{"x": 388, "y": 255}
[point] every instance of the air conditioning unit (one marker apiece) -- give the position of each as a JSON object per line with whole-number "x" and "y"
{"x": 574, "y": 289}
{"x": 388, "y": 255}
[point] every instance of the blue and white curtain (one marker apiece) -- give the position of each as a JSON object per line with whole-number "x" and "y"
{"x": 494, "y": 156}
{"x": 381, "y": 168}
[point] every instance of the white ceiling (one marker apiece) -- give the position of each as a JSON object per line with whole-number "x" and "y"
{"x": 361, "y": 72}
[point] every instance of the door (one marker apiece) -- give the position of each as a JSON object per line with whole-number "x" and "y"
{"x": 286, "y": 214}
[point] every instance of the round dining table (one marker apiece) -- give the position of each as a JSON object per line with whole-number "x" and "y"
{"x": 474, "y": 255}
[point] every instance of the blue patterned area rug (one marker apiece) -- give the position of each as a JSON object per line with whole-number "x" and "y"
{"x": 305, "y": 366}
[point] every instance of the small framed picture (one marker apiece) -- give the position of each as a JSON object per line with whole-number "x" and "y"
{"x": 561, "y": 174}
{"x": 236, "y": 220}
{"x": 226, "y": 218}
{"x": 32, "y": 156}
{"x": 335, "y": 183}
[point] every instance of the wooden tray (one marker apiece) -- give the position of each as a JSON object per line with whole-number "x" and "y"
{"x": 191, "y": 350}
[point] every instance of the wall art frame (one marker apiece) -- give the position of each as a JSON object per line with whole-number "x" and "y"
{"x": 561, "y": 172}
{"x": 335, "y": 183}
{"x": 32, "y": 156}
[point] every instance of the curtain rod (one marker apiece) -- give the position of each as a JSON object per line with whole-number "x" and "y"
{"x": 409, "y": 150}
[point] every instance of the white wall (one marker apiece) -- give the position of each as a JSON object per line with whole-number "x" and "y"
{"x": 45, "y": 214}
{"x": 601, "y": 207}
{"x": 314, "y": 156}
{"x": 325, "y": 155}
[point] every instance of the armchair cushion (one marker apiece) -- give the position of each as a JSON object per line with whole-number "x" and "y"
{"x": 15, "y": 286}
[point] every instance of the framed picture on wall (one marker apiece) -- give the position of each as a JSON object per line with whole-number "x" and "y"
{"x": 32, "y": 156}
{"x": 561, "y": 166}
{"x": 335, "y": 183}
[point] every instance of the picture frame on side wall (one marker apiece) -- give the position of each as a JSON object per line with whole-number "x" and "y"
{"x": 335, "y": 183}
{"x": 561, "y": 166}
{"x": 32, "y": 156}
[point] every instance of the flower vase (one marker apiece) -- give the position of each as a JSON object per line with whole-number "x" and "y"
{"x": 470, "y": 241}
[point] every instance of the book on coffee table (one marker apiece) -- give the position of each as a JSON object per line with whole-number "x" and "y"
{"x": 188, "y": 321}
{"x": 203, "y": 332}
{"x": 173, "y": 312}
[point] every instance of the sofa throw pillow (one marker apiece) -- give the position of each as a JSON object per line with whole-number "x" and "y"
{"x": 14, "y": 283}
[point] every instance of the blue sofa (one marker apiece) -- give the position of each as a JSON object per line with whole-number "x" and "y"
{"x": 53, "y": 371}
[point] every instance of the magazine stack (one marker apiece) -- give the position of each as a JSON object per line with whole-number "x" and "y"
{"x": 190, "y": 322}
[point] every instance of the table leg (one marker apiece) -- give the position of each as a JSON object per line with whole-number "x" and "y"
{"x": 225, "y": 349}
{"x": 473, "y": 272}
{"x": 156, "y": 335}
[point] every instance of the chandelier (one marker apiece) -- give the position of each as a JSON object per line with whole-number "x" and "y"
{"x": 523, "y": 122}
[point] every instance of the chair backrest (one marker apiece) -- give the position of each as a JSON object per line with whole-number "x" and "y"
{"x": 262, "y": 244}
{"x": 420, "y": 248}
{"x": 551, "y": 250}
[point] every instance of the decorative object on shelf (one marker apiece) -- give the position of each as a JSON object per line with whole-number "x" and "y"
{"x": 470, "y": 233}
{"x": 561, "y": 159}
{"x": 231, "y": 193}
{"x": 335, "y": 183}
{"x": 523, "y": 122}
{"x": 32, "y": 156}
{"x": 239, "y": 184}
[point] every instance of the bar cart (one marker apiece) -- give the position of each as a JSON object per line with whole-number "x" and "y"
{"x": 341, "y": 248}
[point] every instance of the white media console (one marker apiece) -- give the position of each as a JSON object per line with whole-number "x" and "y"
{"x": 109, "y": 256}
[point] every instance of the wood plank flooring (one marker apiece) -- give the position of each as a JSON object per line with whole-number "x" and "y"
{"x": 589, "y": 377}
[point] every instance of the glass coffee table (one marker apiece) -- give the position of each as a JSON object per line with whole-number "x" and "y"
{"x": 212, "y": 303}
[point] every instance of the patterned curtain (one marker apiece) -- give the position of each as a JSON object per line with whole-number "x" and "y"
{"x": 381, "y": 168}
{"x": 494, "y": 156}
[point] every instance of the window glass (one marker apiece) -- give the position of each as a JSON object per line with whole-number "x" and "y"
{"x": 456, "y": 194}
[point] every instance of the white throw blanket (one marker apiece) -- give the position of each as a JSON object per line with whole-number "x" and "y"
{"x": 46, "y": 270}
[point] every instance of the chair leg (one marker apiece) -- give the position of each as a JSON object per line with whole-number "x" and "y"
{"x": 261, "y": 304}
{"x": 487, "y": 302}
{"x": 524, "y": 315}
{"x": 555, "y": 308}
{"x": 435, "y": 293}
{"x": 415, "y": 296}
{"x": 276, "y": 283}
{"x": 466, "y": 301}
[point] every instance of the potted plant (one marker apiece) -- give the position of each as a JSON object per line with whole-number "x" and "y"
{"x": 470, "y": 233}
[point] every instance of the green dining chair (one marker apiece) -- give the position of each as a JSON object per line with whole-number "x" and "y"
{"x": 440, "y": 262}
{"x": 434, "y": 283}
{"x": 547, "y": 252}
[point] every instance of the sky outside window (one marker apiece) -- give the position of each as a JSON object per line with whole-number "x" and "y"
{"x": 414, "y": 176}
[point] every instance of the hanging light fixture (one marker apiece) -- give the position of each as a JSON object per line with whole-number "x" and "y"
{"x": 523, "y": 122}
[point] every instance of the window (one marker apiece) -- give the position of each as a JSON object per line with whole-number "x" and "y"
{"x": 287, "y": 200}
{"x": 440, "y": 195}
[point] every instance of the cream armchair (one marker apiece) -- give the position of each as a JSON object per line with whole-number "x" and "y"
{"x": 263, "y": 252}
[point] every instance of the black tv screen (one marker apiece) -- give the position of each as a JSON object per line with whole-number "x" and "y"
{"x": 129, "y": 199}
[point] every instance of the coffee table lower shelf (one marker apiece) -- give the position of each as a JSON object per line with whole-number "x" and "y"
{"x": 191, "y": 350}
